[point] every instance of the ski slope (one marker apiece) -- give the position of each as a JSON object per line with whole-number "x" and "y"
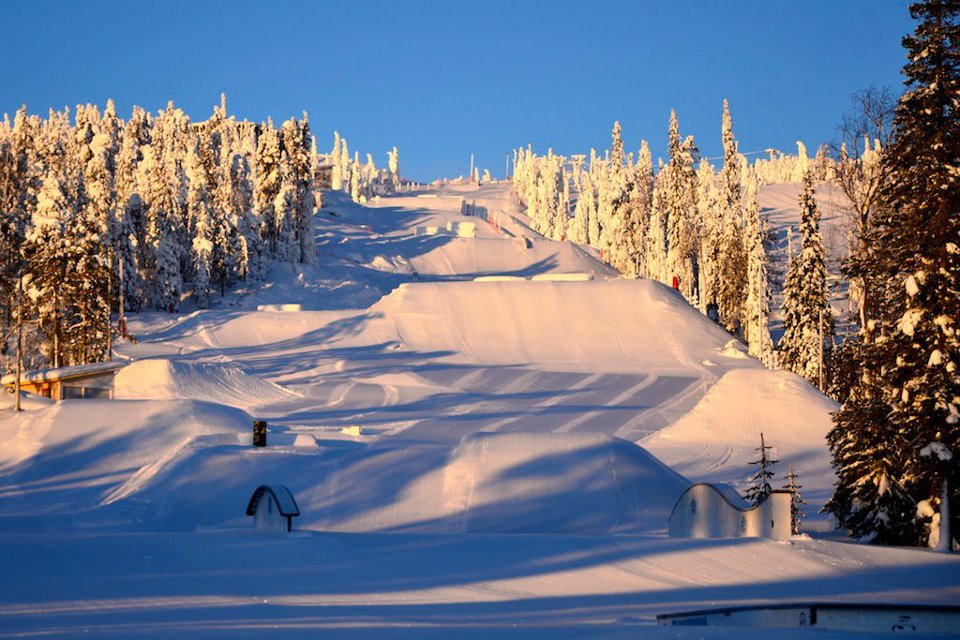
{"x": 485, "y": 437}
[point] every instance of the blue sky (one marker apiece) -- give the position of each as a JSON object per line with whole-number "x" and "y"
{"x": 443, "y": 79}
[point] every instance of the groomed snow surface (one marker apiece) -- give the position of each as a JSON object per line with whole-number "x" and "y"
{"x": 526, "y": 423}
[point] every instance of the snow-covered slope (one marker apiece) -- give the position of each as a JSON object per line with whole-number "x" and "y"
{"x": 415, "y": 413}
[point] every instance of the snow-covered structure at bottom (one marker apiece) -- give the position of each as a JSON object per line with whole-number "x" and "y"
{"x": 718, "y": 511}
{"x": 273, "y": 508}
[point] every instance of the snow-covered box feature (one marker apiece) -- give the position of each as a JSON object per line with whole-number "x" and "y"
{"x": 828, "y": 616}
{"x": 718, "y": 511}
{"x": 273, "y": 508}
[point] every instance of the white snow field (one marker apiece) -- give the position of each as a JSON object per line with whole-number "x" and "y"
{"x": 484, "y": 435}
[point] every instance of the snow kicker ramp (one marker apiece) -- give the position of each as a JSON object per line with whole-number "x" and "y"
{"x": 607, "y": 325}
{"x": 514, "y": 256}
{"x": 492, "y": 483}
{"x": 220, "y": 382}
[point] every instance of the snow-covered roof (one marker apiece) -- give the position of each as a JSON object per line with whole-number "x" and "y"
{"x": 64, "y": 373}
{"x": 286, "y": 505}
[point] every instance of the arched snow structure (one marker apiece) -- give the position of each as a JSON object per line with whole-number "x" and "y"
{"x": 272, "y": 506}
{"x": 717, "y": 511}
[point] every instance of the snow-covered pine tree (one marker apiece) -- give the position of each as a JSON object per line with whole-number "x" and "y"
{"x": 657, "y": 238}
{"x": 250, "y": 259}
{"x": 562, "y": 213}
{"x": 162, "y": 257}
{"x": 756, "y": 317}
{"x": 708, "y": 212}
{"x": 760, "y": 487}
{"x": 679, "y": 200}
{"x": 870, "y": 498}
{"x": 807, "y": 319}
{"x": 285, "y": 206}
{"x": 730, "y": 258}
{"x": 796, "y": 501}
{"x": 393, "y": 166}
{"x": 916, "y": 348}
{"x": 581, "y": 212}
{"x": 199, "y": 210}
{"x": 86, "y": 285}
{"x": 267, "y": 181}
{"x": 616, "y": 148}
{"x": 635, "y": 217}
{"x": 48, "y": 257}
{"x": 297, "y": 142}
{"x": 336, "y": 162}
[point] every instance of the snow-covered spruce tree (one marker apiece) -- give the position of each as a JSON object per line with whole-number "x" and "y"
{"x": 657, "y": 238}
{"x": 796, "y": 501}
{"x": 612, "y": 192}
{"x": 86, "y": 286}
{"x": 869, "y": 453}
{"x": 305, "y": 193}
{"x": 161, "y": 264}
{"x": 266, "y": 184}
{"x": 593, "y": 219}
{"x": 807, "y": 320}
{"x": 917, "y": 234}
{"x": 249, "y": 246}
{"x": 48, "y": 260}
{"x": 756, "y": 316}
{"x": 336, "y": 162}
{"x": 710, "y": 217}
{"x": 561, "y": 216}
{"x": 579, "y": 226}
{"x": 199, "y": 210}
{"x": 634, "y": 215}
{"x": 760, "y": 487}
{"x": 131, "y": 217}
{"x": 616, "y": 148}
{"x": 20, "y": 180}
{"x": 393, "y": 166}
{"x": 679, "y": 200}
{"x": 730, "y": 257}
{"x": 285, "y": 206}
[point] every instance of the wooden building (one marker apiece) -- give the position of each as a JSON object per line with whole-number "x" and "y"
{"x": 83, "y": 381}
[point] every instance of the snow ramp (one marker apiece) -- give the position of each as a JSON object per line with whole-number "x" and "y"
{"x": 220, "y": 382}
{"x": 507, "y": 256}
{"x": 607, "y": 325}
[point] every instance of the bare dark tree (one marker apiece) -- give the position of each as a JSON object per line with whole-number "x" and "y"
{"x": 863, "y": 134}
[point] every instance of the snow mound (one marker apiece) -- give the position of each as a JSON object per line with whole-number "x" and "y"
{"x": 92, "y": 448}
{"x": 584, "y": 484}
{"x": 558, "y": 483}
{"x": 715, "y": 441}
{"x": 224, "y": 383}
{"x": 603, "y": 325}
